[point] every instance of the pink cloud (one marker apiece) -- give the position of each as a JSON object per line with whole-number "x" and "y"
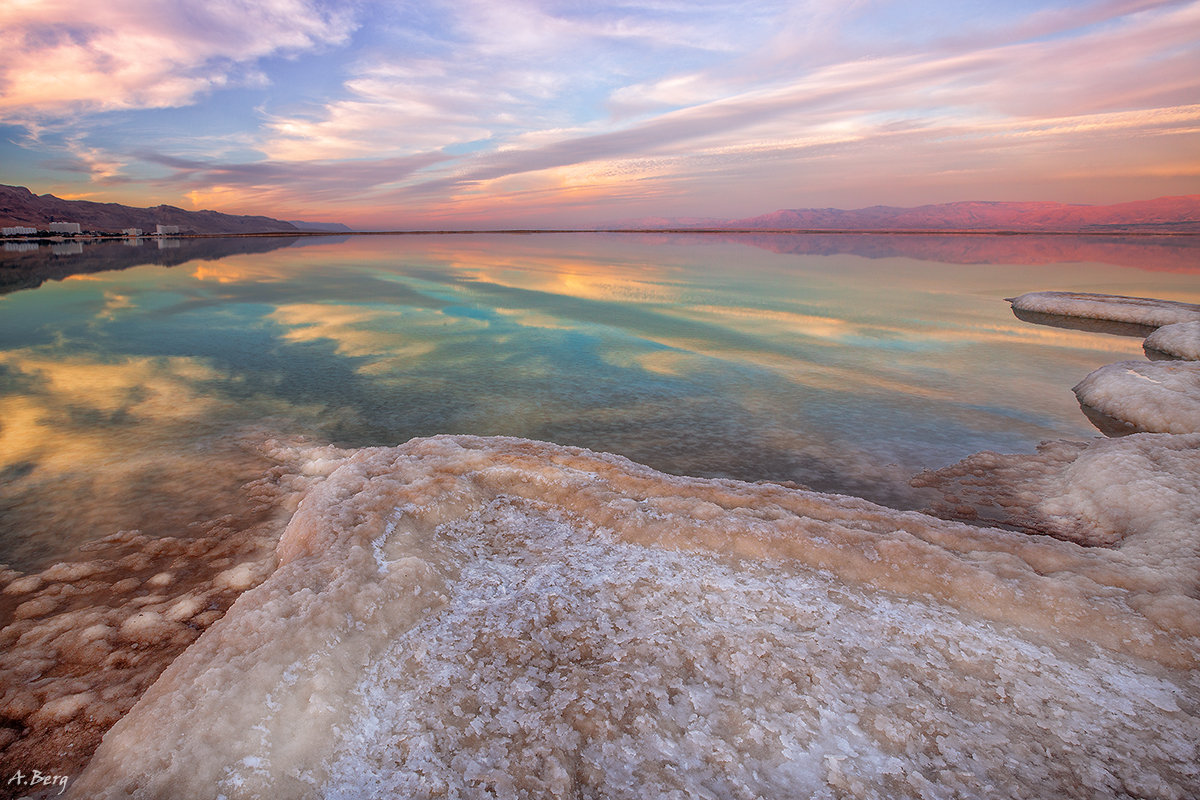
{"x": 73, "y": 54}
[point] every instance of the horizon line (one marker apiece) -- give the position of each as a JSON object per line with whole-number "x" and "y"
{"x": 706, "y": 231}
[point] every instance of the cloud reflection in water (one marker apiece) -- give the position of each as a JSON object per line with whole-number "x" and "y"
{"x": 127, "y": 391}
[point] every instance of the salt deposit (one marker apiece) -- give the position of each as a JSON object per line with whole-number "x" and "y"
{"x": 84, "y": 643}
{"x": 1181, "y": 340}
{"x": 1139, "y": 495}
{"x": 1118, "y": 308}
{"x": 1131, "y": 396}
{"x": 464, "y": 617}
{"x": 84, "y": 639}
{"x": 1157, "y": 396}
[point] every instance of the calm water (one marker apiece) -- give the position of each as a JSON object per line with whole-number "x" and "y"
{"x": 132, "y": 394}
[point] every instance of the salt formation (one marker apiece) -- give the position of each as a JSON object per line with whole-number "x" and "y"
{"x": 1156, "y": 396}
{"x": 1129, "y": 396}
{"x": 1139, "y": 493}
{"x": 1181, "y": 340}
{"x": 84, "y": 639}
{"x": 464, "y": 617}
{"x": 88, "y": 637}
{"x": 1118, "y": 308}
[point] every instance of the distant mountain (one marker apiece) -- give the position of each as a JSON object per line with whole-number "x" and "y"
{"x": 19, "y": 206}
{"x": 323, "y": 227}
{"x": 1165, "y": 215}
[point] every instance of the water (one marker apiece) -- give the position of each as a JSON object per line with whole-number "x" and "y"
{"x": 460, "y": 615}
{"x": 137, "y": 382}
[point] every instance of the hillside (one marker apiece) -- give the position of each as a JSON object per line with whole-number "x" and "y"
{"x": 19, "y": 206}
{"x": 1162, "y": 215}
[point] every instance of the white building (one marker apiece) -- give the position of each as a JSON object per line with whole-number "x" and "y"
{"x": 132, "y": 231}
{"x": 65, "y": 227}
{"x": 19, "y": 230}
{"x": 166, "y": 230}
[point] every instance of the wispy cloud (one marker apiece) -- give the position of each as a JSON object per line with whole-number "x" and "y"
{"x": 973, "y": 109}
{"x": 64, "y": 55}
{"x": 548, "y": 110}
{"x": 496, "y": 71}
{"x": 290, "y": 188}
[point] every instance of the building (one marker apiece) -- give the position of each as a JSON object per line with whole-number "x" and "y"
{"x": 65, "y": 227}
{"x": 131, "y": 231}
{"x": 166, "y": 230}
{"x": 19, "y": 230}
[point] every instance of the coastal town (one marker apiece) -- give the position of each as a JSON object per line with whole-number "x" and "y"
{"x": 61, "y": 229}
{"x": 68, "y": 238}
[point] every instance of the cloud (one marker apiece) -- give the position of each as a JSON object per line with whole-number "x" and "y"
{"x": 540, "y": 110}
{"x": 98, "y": 164}
{"x": 987, "y": 109}
{"x": 71, "y": 55}
{"x": 283, "y": 187}
{"x": 490, "y": 72}
{"x": 397, "y": 109}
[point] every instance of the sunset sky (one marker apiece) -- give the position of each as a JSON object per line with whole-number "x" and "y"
{"x": 555, "y": 113}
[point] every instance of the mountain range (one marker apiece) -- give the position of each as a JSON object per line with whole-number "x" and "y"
{"x": 21, "y": 207}
{"x": 1162, "y": 215}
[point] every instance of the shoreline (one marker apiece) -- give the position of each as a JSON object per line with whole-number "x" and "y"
{"x": 674, "y": 231}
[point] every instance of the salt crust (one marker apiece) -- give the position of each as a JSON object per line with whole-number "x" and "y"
{"x": 1181, "y": 340}
{"x": 1139, "y": 310}
{"x": 517, "y": 619}
{"x": 1156, "y": 396}
{"x": 1160, "y": 397}
{"x": 83, "y": 640}
{"x": 1139, "y": 495}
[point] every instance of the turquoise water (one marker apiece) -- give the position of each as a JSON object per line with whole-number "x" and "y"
{"x": 132, "y": 393}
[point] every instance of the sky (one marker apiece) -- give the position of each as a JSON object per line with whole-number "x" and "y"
{"x": 565, "y": 113}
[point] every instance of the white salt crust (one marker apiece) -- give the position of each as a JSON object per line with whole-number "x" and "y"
{"x": 1139, "y": 310}
{"x": 1181, "y": 340}
{"x": 1155, "y": 396}
{"x": 466, "y": 617}
{"x": 1160, "y": 397}
{"x": 84, "y": 639}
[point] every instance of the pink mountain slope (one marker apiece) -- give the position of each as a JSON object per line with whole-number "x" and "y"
{"x": 1164, "y": 214}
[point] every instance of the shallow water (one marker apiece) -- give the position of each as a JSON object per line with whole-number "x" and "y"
{"x": 464, "y": 615}
{"x": 133, "y": 395}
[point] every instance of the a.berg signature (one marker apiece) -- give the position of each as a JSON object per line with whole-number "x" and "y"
{"x": 37, "y": 778}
